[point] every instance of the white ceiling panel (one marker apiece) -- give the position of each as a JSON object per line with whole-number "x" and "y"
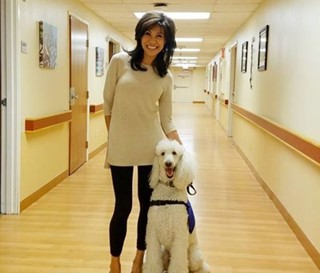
{"x": 225, "y": 19}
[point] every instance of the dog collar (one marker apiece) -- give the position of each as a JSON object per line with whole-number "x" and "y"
{"x": 170, "y": 184}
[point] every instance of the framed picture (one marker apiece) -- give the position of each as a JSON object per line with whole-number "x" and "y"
{"x": 263, "y": 48}
{"x": 214, "y": 72}
{"x": 244, "y": 57}
{"x": 99, "y": 61}
{"x": 48, "y": 45}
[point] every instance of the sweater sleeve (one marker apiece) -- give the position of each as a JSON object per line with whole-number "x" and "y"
{"x": 165, "y": 106}
{"x": 110, "y": 85}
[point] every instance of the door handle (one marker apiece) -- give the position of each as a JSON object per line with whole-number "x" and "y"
{"x": 72, "y": 96}
{"x": 179, "y": 86}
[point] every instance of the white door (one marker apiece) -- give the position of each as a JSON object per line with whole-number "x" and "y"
{"x": 182, "y": 91}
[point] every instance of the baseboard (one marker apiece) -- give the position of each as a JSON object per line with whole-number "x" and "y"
{"x": 50, "y": 185}
{"x": 305, "y": 242}
{"x": 42, "y": 191}
{"x": 98, "y": 150}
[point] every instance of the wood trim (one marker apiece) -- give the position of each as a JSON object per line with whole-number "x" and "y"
{"x": 35, "y": 124}
{"x": 224, "y": 101}
{"x": 305, "y": 242}
{"x": 302, "y": 145}
{"x": 42, "y": 191}
{"x": 96, "y": 108}
{"x": 98, "y": 150}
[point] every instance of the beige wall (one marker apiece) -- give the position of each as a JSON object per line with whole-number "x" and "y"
{"x": 44, "y": 154}
{"x": 287, "y": 94}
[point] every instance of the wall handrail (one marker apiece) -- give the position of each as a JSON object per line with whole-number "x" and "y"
{"x": 36, "y": 124}
{"x": 94, "y": 108}
{"x": 306, "y": 147}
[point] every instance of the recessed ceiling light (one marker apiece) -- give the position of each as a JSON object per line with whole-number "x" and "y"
{"x": 181, "y": 15}
{"x": 181, "y": 39}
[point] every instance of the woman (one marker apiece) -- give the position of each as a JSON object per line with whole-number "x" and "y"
{"x": 138, "y": 113}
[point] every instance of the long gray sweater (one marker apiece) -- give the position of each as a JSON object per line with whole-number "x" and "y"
{"x": 140, "y": 105}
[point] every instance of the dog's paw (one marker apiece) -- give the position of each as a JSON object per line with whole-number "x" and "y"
{"x": 205, "y": 268}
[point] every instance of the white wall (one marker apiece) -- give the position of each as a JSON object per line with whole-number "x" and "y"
{"x": 46, "y": 91}
{"x": 287, "y": 94}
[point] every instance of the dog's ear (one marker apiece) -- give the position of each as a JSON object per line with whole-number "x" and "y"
{"x": 184, "y": 172}
{"x": 155, "y": 172}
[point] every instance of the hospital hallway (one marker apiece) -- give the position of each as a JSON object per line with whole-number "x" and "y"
{"x": 239, "y": 228}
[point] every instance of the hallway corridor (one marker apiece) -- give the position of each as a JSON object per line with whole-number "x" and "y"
{"x": 239, "y": 228}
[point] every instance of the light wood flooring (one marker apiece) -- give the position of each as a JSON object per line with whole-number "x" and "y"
{"x": 239, "y": 228}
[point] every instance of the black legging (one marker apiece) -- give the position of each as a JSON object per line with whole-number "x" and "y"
{"x": 122, "y": 185}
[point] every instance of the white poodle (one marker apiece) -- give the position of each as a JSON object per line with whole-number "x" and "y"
{"x": 172, "y": 243}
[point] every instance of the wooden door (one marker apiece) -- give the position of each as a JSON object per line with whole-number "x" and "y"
{"x": 2, "y": 102}
{"x": 232, "y": 88}
{"x": 78, "y": 93}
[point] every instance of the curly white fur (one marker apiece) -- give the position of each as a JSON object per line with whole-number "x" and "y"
{"x": 170, "y": 246}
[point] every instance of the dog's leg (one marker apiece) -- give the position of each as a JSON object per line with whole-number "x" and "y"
{"x": 153, "y": 262}
{"x": 196, "y": 262}
{"x": 179, "y": 254}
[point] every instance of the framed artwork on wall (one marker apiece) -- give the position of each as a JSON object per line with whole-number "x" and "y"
{"x": 244, "y": 57}
{"x": 48, "y": 45}
{"x": 99, "y": 61}
{"x": 263, "y": 48}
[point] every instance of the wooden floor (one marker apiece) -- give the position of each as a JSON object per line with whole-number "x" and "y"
{"x": 239, "y": 229}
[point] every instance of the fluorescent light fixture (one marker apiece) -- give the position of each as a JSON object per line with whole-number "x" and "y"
{"x": 181, "y": 15}
{"x": 181, "y": 39}
{"x": 184, "y": 58}
{"x": 184, "y": 61}
{"x": 187, "y": 49}
{"x": 184, "y": 66}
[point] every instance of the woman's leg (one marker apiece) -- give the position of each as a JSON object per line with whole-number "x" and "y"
{"x": 144, "y": 194}
{"x": 122, "y": 186}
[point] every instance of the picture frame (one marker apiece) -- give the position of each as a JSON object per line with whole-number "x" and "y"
{"x": 99, "y": 61}
{"x": 48, "y": 49}
{"x": 244, "y": 57}
{"x": 263, "y": 48}
{"x": 214, "y": 72}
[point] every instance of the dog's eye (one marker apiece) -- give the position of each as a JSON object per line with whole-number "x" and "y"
{"x": 174, "y": 152}
{"x": 162, "y": 153}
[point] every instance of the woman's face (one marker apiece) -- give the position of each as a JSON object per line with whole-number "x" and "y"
{"x": 152, "y": 42}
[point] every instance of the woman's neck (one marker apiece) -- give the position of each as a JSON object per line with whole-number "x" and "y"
{"x": 147, "y": 60}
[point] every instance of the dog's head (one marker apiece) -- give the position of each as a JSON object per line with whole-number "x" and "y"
{"x": 171, "y": 165}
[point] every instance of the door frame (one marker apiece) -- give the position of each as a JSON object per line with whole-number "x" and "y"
{"x": 10, "y": 114}
{"x": 71, "y": 14}
{"x": 232, "y": 86}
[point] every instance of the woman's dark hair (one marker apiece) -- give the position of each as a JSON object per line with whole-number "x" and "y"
{"x": 163, "y": 59}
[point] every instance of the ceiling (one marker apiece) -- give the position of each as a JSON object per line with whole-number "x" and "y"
{"x": 225, "y": 19}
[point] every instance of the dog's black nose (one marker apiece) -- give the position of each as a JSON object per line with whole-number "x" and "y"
{"x": 168, "y": 163}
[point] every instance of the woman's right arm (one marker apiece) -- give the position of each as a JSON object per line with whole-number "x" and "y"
{"x": 109, "y": 89}
{"x": 107, "y": 120}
